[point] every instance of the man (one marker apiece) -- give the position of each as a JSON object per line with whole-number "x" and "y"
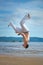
{"x": 23, "y": 30}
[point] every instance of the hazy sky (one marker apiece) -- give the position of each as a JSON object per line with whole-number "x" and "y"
{"x": 14, "y": 10}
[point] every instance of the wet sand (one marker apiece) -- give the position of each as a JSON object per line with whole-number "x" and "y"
{"x": 12, "y": 60}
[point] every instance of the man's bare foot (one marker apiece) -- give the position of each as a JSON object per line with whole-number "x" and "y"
{"x": 18, "y": 33}
{"x": 9, "y": 24}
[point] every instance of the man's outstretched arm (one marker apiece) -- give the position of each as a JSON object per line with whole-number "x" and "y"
{"x": 24, "y": 35}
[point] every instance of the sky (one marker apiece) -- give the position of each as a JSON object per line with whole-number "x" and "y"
{"x": 14, "y": 11}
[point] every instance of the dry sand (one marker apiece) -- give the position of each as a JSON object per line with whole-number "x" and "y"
{"x": 12, "y": 60}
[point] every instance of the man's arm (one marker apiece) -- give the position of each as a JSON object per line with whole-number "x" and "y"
{"x": 24, "y": 35}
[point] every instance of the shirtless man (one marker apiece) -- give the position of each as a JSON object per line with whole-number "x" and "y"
{"x": 23, "y": 30}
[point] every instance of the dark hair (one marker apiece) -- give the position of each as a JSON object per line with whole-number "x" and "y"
{"x": 27, "y": 46}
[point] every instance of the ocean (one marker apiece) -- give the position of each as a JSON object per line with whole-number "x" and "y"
{"x": 16, "y": 49}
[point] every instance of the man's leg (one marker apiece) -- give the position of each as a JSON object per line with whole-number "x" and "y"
{"x": 11, "y": 24}
{"x": 16, "y": 29}
{"x": 22, "y": 22}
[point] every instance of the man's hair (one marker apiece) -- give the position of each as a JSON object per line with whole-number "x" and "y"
{"x": 27, "y": 46}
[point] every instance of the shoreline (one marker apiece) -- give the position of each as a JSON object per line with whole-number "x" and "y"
{"x": 13, "y": 60}
{"x": 18, "y": 55}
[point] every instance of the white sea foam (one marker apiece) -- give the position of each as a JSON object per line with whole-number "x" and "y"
{"x": 16, "y": 48}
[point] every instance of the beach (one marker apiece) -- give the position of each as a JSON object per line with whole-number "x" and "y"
{"x": 12, "y": 60}
{"x": 13, "y": 53}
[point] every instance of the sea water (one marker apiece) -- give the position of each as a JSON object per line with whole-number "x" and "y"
{"x": 16, "y": 49}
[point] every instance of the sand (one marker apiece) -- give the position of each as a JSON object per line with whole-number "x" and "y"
{"x": 12, "y": 60}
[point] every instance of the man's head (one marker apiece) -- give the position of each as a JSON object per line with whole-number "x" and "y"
{"x": 26, "y": 46}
